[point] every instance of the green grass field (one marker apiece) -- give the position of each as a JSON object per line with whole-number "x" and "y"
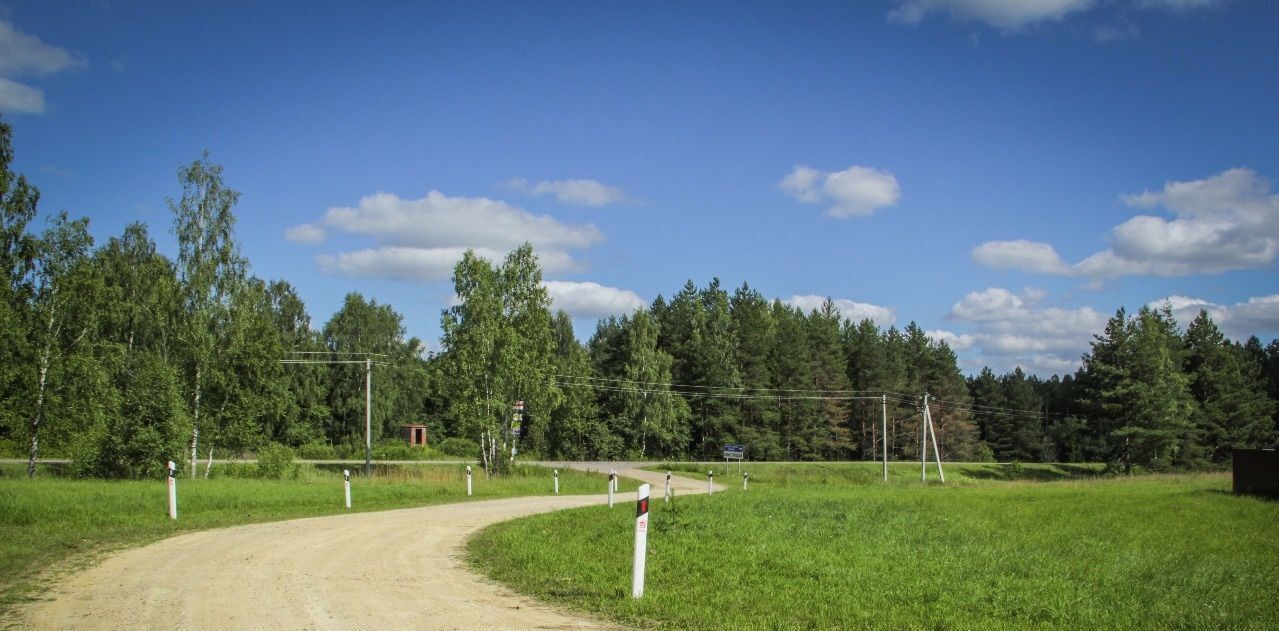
{"x": 50, "y": 524}
{"x": 828, "y": 546}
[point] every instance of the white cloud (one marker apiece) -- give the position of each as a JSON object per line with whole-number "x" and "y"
{"x": 955, "y": 341}
{"x": 573, "y": 192}
{"x": 850, "y": 310}
{"x": 1011, "y": 329}
{"x": 1025, "y": 255}
{"x": 306, "y": 233}
{"x": 438, "y": 220}
{"x": 1007, "y": 15}
{"x": 1256, "y": 316}
{"x": 854, "y": 191}
{"x": 425, "y": 264}
{"x": 23, "y": 54}
{"x": 1017, "y": 15}
{"x": 421, "y": 239}
{"x": 17, "y": 98}
{"x": 1225, "y": 222}
{"x": 591, "y": 300}
{"x": 1179, "y": 5}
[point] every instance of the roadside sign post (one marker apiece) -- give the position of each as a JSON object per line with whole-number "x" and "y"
{"x": 468, "y": 480}
{"x": 668, "y": 487}
{"x": 346, "y": 482}
{"x": 734, "y": 452}
{"x": 612, "y": 477}
{"x": 517, "y": 421}
{"x": 641, "y": 541}
{"x": 173, "y": 490}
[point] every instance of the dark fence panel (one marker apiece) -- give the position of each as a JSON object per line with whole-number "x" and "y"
{"x": 1257, "y": 472}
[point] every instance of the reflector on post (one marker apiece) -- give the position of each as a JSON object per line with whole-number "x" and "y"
{"x": 641, "y": 541}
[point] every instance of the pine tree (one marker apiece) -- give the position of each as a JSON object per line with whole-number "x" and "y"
{"x": 656, "y": 420}
{"x": 801, "y": 432}
{"x": 1232, "y": 408}
{"x": 830, "y": 378}
{"x": 575, "y": 430}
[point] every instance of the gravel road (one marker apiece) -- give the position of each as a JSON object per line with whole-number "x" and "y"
{"x": 398, "y": 569}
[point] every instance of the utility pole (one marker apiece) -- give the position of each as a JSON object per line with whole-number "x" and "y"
{"x": 923, "y": 441}
{"x": 368, "y": 416}
{"x": 884, "y": 431}
{"x": 333, "y": 357}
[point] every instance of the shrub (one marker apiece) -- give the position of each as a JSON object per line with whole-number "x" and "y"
{"x": 397, "y": 450}
{"x": 275, "y": 461}
{"x": 458, "y": 447}
{"x": 317, "y": 450}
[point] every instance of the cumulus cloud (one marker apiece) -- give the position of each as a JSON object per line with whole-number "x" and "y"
{"x": 20, "y": 99}
{"x": 22, "y": 54}
{"x": 573, "y": 192}
{"x": 306, "y": 233}
{"x": 591, "y": 300}
{"x": 1012, "y": 329}
{"x": 423, "y": 264}
{"x": 1007, "y": 15}
{"x": 421, "y": 239}
{"x": 1017, "y": 15}
{"x": 1225, "y": 222}
{"x": 955, "y": 341}
{"x": 850, "y": 310}
{"x": 1256, "y": 316}
{"x": 854, "y": 191}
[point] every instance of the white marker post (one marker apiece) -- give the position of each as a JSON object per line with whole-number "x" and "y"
{"x": 557, "y": 481}
{"x": 710, "y": 482}
{"x": 641, "y": 541}
{"x": 173, "y": 490}
{"x": 612, "y": 477}
{"x": 468, "y": 480}
{"x": 668, "y": 487}
{"x": 346, "y": 482}
{"x": 745, "y": 478}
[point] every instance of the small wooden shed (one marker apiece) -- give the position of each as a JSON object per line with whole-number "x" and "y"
{"x": 415, "y": 434}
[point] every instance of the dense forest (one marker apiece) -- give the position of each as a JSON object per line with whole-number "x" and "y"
{"x": 121, "y": 358}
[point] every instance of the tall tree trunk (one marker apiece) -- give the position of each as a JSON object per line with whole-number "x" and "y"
{"x": 209, "y": 465}
{"x": 195, "y": 421}
{"x": 35, "y": 422}
{"x": 45, "y": 357}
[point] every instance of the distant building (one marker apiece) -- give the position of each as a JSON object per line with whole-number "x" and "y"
{"x": 415, "y": 434}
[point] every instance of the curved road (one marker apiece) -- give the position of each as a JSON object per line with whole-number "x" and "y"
{"x": 398, "y": 569}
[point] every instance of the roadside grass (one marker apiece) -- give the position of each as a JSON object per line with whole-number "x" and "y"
{"x": 823, "y": 473}
{"x": 1151, "y": 552}
{"x": 50, "y": 524}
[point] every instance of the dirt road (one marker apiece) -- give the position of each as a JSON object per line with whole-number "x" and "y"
{"x": 399, "y": 569}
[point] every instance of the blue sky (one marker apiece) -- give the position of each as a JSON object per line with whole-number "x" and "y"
{"x": 1004, "y": 172}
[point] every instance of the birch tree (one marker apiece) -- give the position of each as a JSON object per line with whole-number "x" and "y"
{"x": 210, "y": 269}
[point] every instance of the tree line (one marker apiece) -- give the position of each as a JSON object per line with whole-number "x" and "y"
{"x": 121, "y": 358}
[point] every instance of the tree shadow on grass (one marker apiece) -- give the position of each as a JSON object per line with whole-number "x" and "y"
{"x": 1033, "y": 473}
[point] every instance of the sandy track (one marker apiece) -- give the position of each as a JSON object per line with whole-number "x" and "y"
{"x": 399, "y": 569}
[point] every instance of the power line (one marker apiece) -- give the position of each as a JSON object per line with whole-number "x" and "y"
{"x": 677, "y": 386}
{"x": 717, "y": 395}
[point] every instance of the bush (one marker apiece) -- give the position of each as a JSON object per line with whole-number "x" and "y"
{"x": 275, "y": 461}
{"x": 317, "y": 450}
{"x": 398, "y": 450}
{"x": 458, "y": 447}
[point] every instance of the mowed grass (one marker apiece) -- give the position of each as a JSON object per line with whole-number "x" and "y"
{"x": 50, "y": 524}
{"x": 1156, "y": 552}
